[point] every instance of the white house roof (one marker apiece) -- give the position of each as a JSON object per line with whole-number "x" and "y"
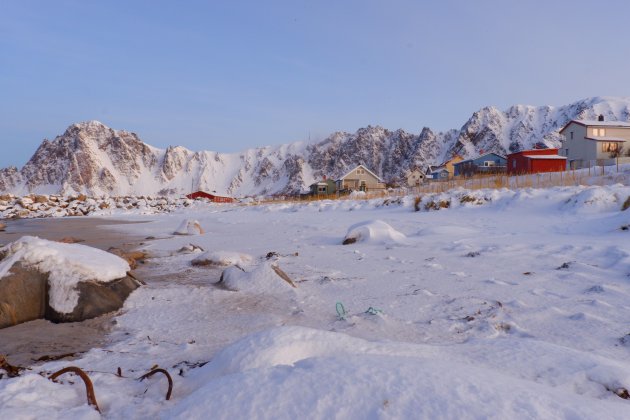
{"x": 361, "y": 166}
{"x": 604, "y": 123}
{"x": 611, "y": 139}
{"x": 587, "y": 123}
{"x": 551, "y": 157}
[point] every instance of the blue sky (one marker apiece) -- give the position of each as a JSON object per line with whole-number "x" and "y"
{"x": 231, "y": 75}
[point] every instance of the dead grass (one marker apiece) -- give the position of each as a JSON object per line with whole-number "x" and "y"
{"x": 626, "y": 204}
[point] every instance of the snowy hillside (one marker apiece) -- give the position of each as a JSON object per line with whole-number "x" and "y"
{"x": 96, "y": 160}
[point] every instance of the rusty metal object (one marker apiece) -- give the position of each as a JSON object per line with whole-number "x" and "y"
{"x": 168, "y": 376}
{"x": 12, "y": 371}
{"x": 89, "y": 388}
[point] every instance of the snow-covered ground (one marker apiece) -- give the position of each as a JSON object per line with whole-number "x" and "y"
{"x": 502, "y": 304}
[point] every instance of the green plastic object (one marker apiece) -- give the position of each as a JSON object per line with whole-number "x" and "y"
{"x": 341, "y": 311}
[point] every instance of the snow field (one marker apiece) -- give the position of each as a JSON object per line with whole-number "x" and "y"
{"x": 516, "y": 308}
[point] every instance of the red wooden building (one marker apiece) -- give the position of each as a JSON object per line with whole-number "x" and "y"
{"x": 535, "y": 161}
{"x": 212, "y": 197}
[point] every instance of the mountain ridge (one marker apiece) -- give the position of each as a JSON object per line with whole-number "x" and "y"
{"x": 94, "y": 159}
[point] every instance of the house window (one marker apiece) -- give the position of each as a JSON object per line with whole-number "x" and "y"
{"x": 599, "y": 132}
{"x": 489, "y": 163}
{"x": 321, "y": 189}
{"x": 514, "y": 164}
{"x": 571, "y": 135}
{"x": 360, "y": 171}
{"x": 609, "y": 147}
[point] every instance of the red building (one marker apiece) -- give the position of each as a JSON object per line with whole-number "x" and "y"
{"x": 535, "y": 161}
{"x": 211, "y": 197}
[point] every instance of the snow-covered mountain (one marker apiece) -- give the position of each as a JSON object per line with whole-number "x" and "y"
{"x": 94, "y": 159}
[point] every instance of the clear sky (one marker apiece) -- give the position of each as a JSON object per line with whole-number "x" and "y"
{"x": 229, "y": 75}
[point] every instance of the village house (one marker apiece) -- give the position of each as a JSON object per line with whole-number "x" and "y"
{"x": 212, "y": 197}
{"x": 599, "y": 142}
{"x": 443, "y": 171}
{"x": 535, "y": 161}
{"x": 414, "y": 178}
{"x": 488, "y": 163}
{"x": 323, "y": 187}
{"x": 437, "y": 173}
{"x": 360, "y": 179}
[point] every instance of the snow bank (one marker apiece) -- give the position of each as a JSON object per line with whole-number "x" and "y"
{"x": 262, "y": 279}
{"x": 265, "y": 375}
{"x": 598, "y": 199}
{"x": 374, "y": 231}
{"x": 222, "y": 258}
{"x": 189, "y": 227}
{"x": 67, "y": 265}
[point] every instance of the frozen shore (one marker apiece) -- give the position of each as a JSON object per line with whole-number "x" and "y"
{"x": 25, "y": 343}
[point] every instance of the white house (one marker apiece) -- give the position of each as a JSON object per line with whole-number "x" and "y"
{"x": 593, "y": 140}
{"x": 360, "y": 179}
{"x": 415, "y": 178}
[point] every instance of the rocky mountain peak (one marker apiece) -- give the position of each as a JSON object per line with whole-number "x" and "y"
{"x": 91, "y": 158}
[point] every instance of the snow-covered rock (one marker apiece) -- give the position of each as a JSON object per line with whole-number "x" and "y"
{"x": 222, "y": 258}
{"x": 374, "y": 231}
{"x": 189, "y": 227}
{"x": 59, "y": 281}
{"x": 264, "y": 278}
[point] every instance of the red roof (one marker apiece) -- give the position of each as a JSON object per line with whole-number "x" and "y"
{"x": 212, "y": 197}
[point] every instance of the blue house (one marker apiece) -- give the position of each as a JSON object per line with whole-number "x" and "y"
{"x": 489, "y": 163}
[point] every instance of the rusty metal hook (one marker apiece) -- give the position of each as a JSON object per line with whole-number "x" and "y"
{"x": 168, "y": 376}
{"x": 89, "y": 388}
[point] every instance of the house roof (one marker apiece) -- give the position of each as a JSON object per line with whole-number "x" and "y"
{"x": 479, "y": 157}
{"x": 440, "y": 170}
{"x": 320, "y": 183}
{"x": 551, "y": 157}
{"x": 588, "y": 123}
{"x": 446, "y": 162}
{"x": 361, "y": 166}
{"x": 435, "y": 168}
{"x": 537, "y": 152}
{"x": 608, "y": 139}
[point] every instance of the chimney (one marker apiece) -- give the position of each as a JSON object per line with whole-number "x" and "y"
{"x": 601, "y": 117}
{"x": 324, "y": 177}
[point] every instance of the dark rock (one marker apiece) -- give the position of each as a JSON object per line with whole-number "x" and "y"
{"x": 23, "y": 296}
{"x": 349, "y": 241}
{"x": 95, "y": 299}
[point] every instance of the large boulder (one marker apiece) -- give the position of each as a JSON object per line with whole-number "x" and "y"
{"x": 60, "y": 282}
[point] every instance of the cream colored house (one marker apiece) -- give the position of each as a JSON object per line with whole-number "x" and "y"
{"x": 415, "y": 178}
{"x": 586, "y": 141}
{"x": 360, "y": 179}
